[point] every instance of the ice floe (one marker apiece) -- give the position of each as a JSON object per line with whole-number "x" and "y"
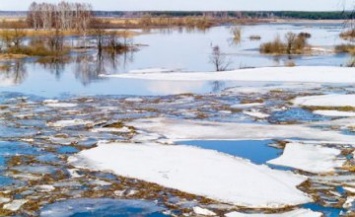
{"x": 315, "y": 74}
{"x": 174, "y": 129}
{"x": 202, "y": 211}
{"x": 14, "y": 205}
{"x": 70, "y": 123}
{"x": 57, "y": 104}
{"x": 202, "y": 172}
{"x": 311, "y": 158}
{"x": 294, "y": 213}
{"x": 333, "y": 100}
{"x": 334, "y": 113}
{"x": 256, "y": 114}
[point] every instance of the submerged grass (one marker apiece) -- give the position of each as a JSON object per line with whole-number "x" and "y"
{"x": 345, "y": 48}
{"x": 340, "y": 108}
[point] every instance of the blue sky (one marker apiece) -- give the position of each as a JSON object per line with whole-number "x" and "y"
{"x": 306, "y": 5}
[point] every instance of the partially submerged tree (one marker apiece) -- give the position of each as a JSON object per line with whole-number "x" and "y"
{"x": 290, "y": 40}
{"x": 218, "y": 59}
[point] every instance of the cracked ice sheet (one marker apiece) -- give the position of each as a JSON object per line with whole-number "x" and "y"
{"x": 294, "y": 213}
{"x": 177, "y": 130}
{"x": 201, "y": 172}
{"x": 333, "y": 100}
{"x": 310, "y": 158}
{"x": 313, "y": 74}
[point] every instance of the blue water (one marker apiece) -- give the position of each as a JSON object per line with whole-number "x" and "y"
{"x": 327, "y": 211}
{"x": 102, "y": 207}
{"x": 296, "y": 115}
{"x": 67, "y": 150}
{"x": 257, "y": 151}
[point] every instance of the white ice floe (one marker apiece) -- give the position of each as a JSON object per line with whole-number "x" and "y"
{"x": 294, "y": 213}
{"x": 333, "y": 100}
{"x": 202, "y": 211}
{"x": 152, "y": 70}
{"x": 57, "y": 104}
{"x": 111, "y": 129}
{"x": 70, "y": 123}
{"x": 246, "y": 105}
{"x": 197, "y": 171}
{"x": 4, "y": 200}
{"x": 334, "y": 113}
{"x": 315, "y": 74}
{"x": 266, "y": 87}
{"x": 193, "y": 129}
{"x": 45, "y": 188}
{"x": 256, "y": 114}
{"x": 134, "y": 99}
{"x": 14, "y": 205}
{"x": 349, "y": 202}
{"x": 310, "y": 158}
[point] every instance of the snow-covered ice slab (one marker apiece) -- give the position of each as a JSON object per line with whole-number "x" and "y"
{"x": 202, "y": 172}
{"x": 310, "y": 158}
{"x": 294, "y": 213}
{"x": 153, "y": 70}
{"x": 315, "y": 74}
{"x": 334, "y": 100}
{"x": 70, "y": 123}
{"x": 334, "y": 113}
{"x": 177, "y": 130}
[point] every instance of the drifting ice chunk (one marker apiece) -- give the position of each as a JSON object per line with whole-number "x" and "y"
{"x": 310, "y": 158}
{"x": 202, "y": 172}
{"x": 294, "y": 213}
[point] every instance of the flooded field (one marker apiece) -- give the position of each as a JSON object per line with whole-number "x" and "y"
{"x": 76, "y": 139}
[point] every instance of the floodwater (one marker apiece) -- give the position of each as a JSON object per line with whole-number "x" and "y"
{"x": 177, "y": 49}
{"x": 257, "y": 151}
{"x": 33, "y": 151}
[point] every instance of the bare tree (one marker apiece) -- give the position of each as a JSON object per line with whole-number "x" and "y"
{"x": 67, "y": 16}
{"x": 290, "y": 40}
{"x": 218, "y": 59}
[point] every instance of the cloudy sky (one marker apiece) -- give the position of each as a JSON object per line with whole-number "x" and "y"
{"x": 305, "y": 5}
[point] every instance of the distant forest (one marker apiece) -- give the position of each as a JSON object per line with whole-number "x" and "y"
{"x": 332, "y": 15}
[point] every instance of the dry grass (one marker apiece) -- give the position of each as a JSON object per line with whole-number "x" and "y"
{"x": 343, "y": 108}
{"x": 12, "y": 56}
{"x": 296, "y": 45}
{"x": 348, "y": 35}
{"x": 42, "y": 32}
{"x": 290, "y": 63}
{"x": 345, "y": 48}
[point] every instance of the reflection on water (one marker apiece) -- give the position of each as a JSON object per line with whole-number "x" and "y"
{"x": 14, "y": 72}
{"x": 178, "y": 48}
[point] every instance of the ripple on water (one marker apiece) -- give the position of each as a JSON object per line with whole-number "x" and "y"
{"x": 101, "y": 207}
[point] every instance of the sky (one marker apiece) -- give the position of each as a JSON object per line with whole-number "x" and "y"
{"x": 188, "y": 5}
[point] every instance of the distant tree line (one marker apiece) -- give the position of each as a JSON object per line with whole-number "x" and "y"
{"x": 63, "y": 16}
{"x": 337, "y": 15}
